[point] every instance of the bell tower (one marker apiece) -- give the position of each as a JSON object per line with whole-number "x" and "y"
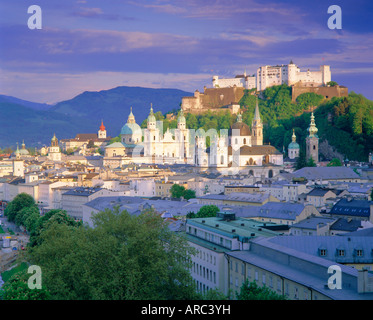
{"x": 312, "y": 141}
{"x": 257, "y": 127}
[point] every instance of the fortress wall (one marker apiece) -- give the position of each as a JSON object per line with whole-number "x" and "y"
{"x": 327, "y": 92}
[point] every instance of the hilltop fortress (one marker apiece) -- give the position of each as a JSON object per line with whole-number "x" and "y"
{"x": 226, "y": 93}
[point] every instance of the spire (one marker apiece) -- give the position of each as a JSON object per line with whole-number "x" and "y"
{"x": 23, "y": 144}
{"x": 102, "y": 127}
{"x": 239, "y": 117}
{"x": 181, "y": 117}
{"x": 151, "y": 116}
{"x": 131, "y": 117}
{"x": 256, "y": 113}
{"x": 293, "y": 137}
{"x": 312, "y": 128}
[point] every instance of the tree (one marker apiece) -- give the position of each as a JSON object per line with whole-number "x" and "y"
{"x": 16, "y": 288}
{"x": 177, "y": 191}
{"x": 44, "y": 222}
{"x": 21, "y": 200}
{"x": 207, "y": 211}
{"x": 335, "y": 162}
{"x": 189, "y": 194}
{"x": 251, "y": 291}
{"x": 332, "y": 83}
{"x": 121, "y": 257}
{"x": 311, "y": 162}
{"x": 301, "y": 161}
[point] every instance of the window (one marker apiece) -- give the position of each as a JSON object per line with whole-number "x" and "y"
{"x": 256, "y": 275}
{"x": 264, "y": 279}
{"x": 322, "y": 252}
{"x": 359, "y": 252}
{"x": 341, "y": 252}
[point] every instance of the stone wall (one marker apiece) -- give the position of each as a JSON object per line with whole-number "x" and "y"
{"x": 327, "y": 92}
{"x": 213, "y": 99}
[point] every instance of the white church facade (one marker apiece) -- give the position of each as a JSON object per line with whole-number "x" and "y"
{"x": 238, "y": 149}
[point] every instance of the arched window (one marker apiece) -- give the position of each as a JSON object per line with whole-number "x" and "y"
{"x": 236, "y": 141}
{"x": 314, "y": 147}
{"x": 251, "y": 161}
{"x": 270, "y": 173}
{"x": 222, "y": 159}
{"x": 244, "y": 140}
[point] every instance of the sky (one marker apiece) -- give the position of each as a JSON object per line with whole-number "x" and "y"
{"x": 92, "y": 45}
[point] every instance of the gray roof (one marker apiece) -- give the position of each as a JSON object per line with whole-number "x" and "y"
{"x": 319, "y": 192}
{"x": 238, "y": 196}
{"x": 82, "y": 191}
{"x": 300, "y": 267}
{"x": 326, "y": 173}
{"x": 312, "y": 222}
{"x": 274, "y": 210}
{"x": 347, "y": 225}
{"x": 313, "y": 244}
{"x": 359, "y": 208}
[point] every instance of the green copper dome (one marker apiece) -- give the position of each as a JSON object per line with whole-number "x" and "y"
{"x": 151, "y": 117}
{"x": 130, "y": 128}
{"x": 293, "y": 145}
{"x": 181, "y": 118}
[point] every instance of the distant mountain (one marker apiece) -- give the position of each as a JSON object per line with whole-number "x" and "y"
{"x": 25, "y": 103}
{"x": 36, "y": 123}
{"x": 113, "y": 106}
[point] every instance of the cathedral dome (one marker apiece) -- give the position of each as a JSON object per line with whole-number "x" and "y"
{"x": 293, "y": 145}
{"x": 243, "y": 128}
{"x": 131, "y": 128}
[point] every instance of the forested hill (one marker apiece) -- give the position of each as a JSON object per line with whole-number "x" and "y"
{"x": 345, "y": 124}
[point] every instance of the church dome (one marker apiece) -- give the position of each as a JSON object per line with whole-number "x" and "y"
{"x": 131, "y": 128}
{"x": 293, "y": 145}
{"x": 243, "y": 128}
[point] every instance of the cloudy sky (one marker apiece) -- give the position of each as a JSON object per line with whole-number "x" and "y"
{"x": 100, "y": 44}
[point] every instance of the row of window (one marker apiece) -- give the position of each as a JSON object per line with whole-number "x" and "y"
{"x": 205, "y": 256}
{"x": 273, "y": 282}
{"x": 204, "y": 272}
{"x": 211, "y": 237}
{"x": 342, "y": 252}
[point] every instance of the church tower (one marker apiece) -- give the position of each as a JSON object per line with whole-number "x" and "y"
{"x": 102, "y": 131}
{"x": 182, "y": 136}
{"x": 293, "y": 148}
{"x": 54, "y": 152}
{"x": 257, "y": 128}
{"x": 312, "y": 141}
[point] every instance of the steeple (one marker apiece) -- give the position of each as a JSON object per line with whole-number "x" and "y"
{"x": 312, "y": 141}
{"x": 256, "y": 113}
{"x": 239, "y": 117}
{"x": 293, "y": 137}
{"x": 151, "y": 118}
{"x": 257, "y": 127}
{"x": 181, "y": 122}
{"x": 17, "y": 153}
{"x": 131, "y": 117}
{"x": 102, "y": 127}
{"x": 312, "y": 130}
